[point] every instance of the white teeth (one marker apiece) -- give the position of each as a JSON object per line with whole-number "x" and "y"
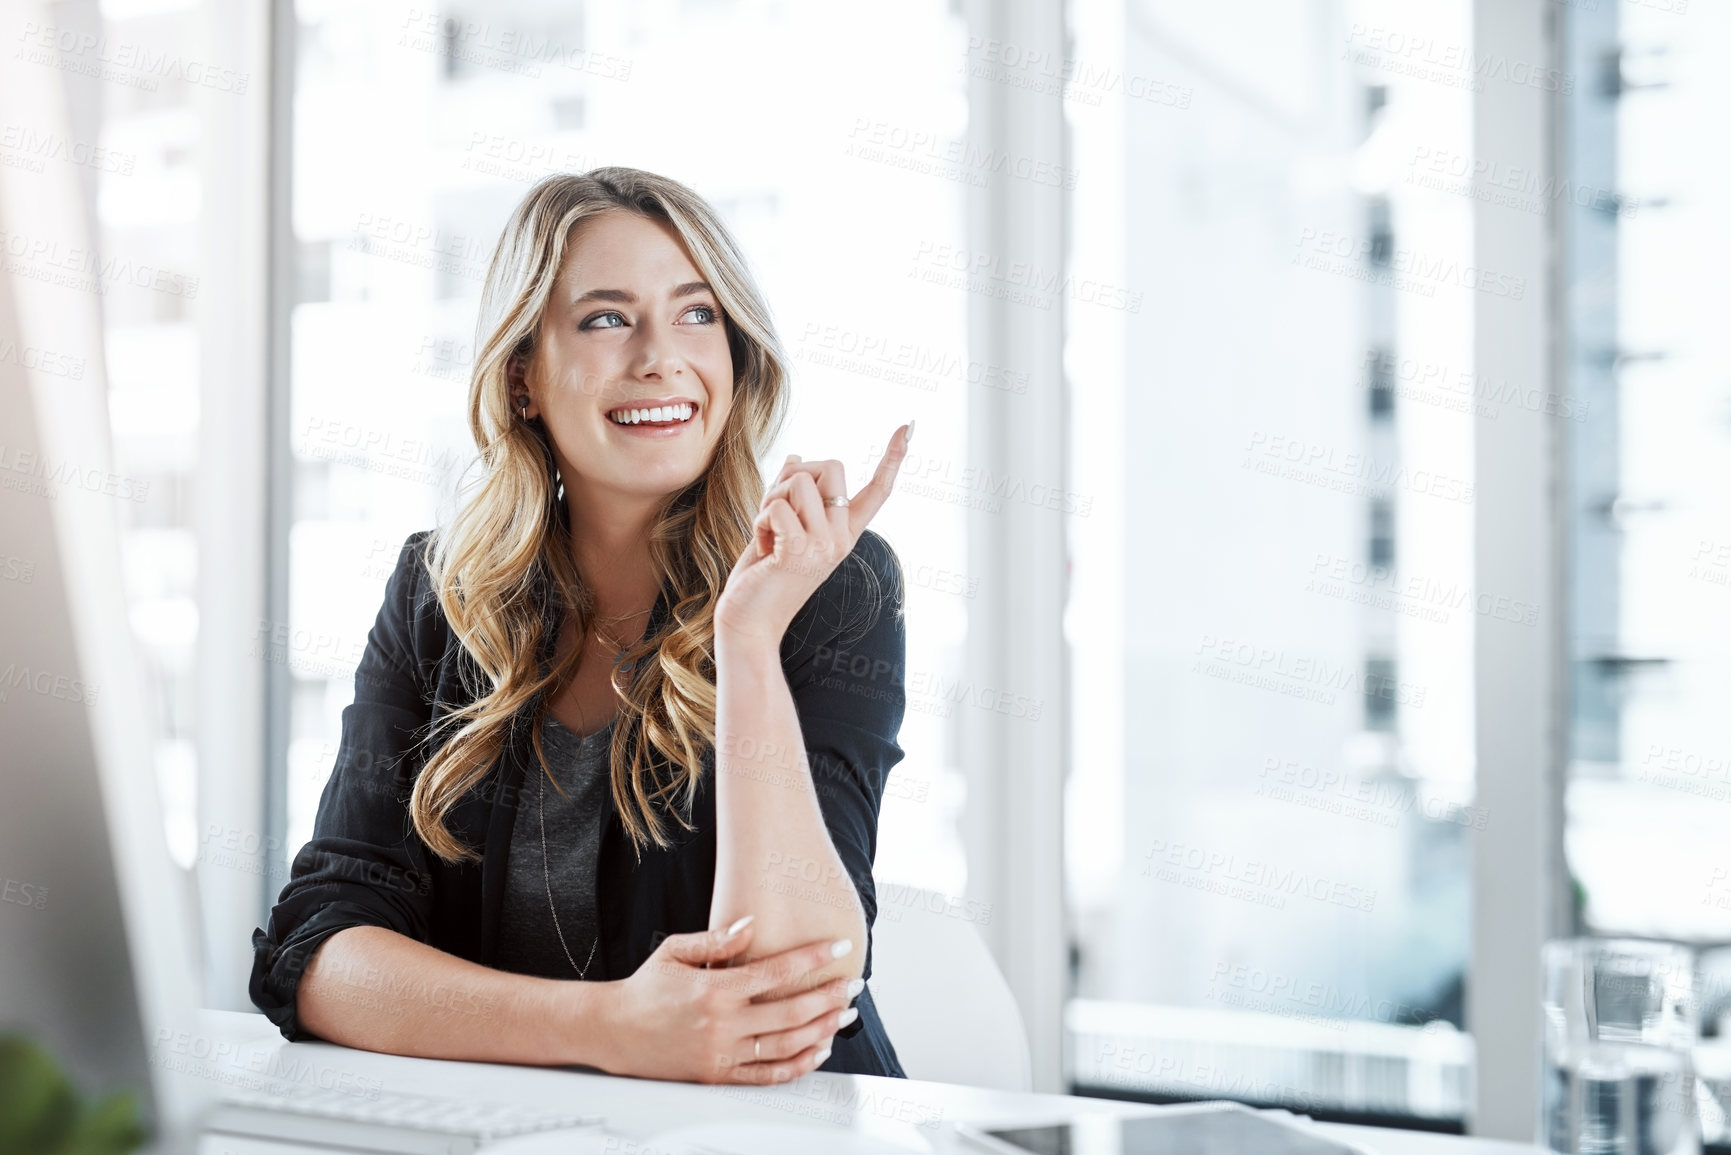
{"x": 658, "y": 414}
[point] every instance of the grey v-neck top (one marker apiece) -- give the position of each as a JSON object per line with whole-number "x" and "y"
{"x": 528, "y": 935}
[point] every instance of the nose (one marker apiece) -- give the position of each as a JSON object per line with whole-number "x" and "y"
{"x": 652, "y": 358}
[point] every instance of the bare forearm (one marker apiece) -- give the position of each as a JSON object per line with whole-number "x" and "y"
{"x": 774, "y": 856}
{"x": 374, "y": 989}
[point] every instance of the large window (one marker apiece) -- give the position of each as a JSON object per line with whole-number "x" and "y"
{"x": 1649, "y": 502}
{"x": 141, "y": 143}
{"x": 159, "y": 131}
{"x": 1271, "y": 791}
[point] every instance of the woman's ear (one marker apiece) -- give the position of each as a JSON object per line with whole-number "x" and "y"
{"x": 517, "y": 380}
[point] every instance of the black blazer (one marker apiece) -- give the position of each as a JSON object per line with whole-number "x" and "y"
{"x": 843, "y": 655}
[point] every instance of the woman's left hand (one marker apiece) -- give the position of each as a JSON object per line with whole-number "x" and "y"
{"x": 798, "y": 541}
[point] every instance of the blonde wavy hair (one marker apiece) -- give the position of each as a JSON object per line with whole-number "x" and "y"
{"x": 506, "y": 560}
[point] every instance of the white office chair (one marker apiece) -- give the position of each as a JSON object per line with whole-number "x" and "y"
{"x": 944, "y": 1003}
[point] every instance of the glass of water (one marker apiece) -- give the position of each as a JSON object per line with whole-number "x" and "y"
{"x": 1620, "y": 1026}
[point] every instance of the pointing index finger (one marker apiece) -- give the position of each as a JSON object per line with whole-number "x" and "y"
{"x": 864, "y": 505}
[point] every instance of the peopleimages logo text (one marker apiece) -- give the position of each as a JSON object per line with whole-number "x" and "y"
{"x": 1415, "y": 266}
{"x": 1178, "y": 859}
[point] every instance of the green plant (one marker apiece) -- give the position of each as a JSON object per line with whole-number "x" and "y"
{"x": 41, "y": 1112}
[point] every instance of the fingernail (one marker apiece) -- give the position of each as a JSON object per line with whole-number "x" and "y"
{"x": 740, "y": 925}
{"x": 909, "y": 435}
{"x": 854, "y": 987}
{"x": 822, "y": 1055}
{"x": 847, "y": 1016}
{"x": 840, "y": 946}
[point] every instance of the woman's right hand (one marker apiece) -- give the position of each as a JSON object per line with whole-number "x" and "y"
{"x": 687, "y": 1015}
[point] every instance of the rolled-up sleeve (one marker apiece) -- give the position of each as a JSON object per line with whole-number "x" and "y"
{"x": 848, "y": 683}
{"x": 365, "y": 865}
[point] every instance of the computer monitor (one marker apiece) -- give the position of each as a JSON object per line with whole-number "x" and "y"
{"x": 97, "y": 954}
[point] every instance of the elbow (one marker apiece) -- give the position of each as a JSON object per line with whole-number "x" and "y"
{"x": 849, "y": 924}
{"x": 852, "y": 964}
{"x": 849, "y": 966}
{"x": 839, "y": 923}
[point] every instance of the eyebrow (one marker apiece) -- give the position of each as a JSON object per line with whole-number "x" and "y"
{"x": 685, "y": 290}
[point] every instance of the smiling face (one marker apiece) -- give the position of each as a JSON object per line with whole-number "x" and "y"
{"x": 632, "y": 371}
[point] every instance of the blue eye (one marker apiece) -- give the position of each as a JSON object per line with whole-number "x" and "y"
{"x": 714, "y": 313}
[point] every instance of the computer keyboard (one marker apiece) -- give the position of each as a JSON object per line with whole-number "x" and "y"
{"x": 403, "y": 1124}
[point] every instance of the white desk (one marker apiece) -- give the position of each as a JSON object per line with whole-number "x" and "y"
{"x": 246, "y": 1050}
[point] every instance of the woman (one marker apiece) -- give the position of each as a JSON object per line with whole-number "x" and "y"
{"x": 627, "y": 721}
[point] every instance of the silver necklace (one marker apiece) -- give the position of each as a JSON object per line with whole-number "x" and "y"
{"x": 547, "y": 876}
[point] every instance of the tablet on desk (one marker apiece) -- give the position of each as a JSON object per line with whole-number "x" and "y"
{"x": 1204, "y": 1129}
